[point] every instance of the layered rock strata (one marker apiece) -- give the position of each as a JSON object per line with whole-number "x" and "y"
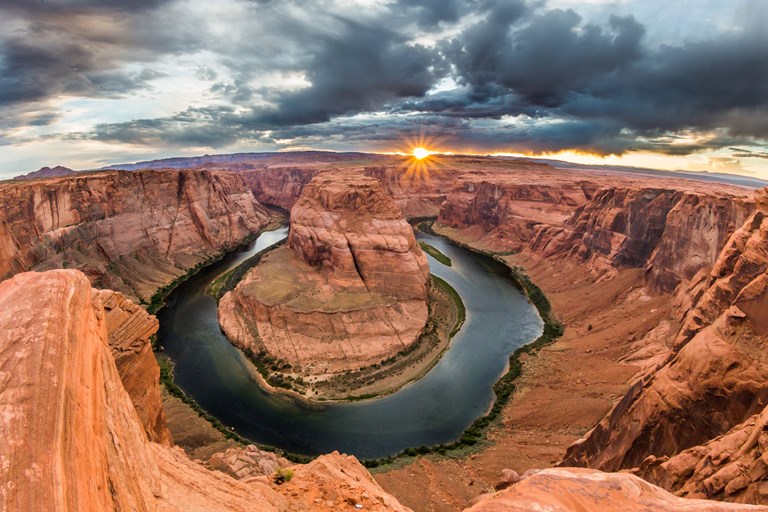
{"x": 133, "y": 232}
{"x": 130, "y": 329}
{"x": 71, "y": 440}
{"x": 349, "y": 289}
{"x": 416, "y": 194}
{"x": 716, "y": 377}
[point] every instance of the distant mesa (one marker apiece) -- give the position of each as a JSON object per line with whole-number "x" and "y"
{"x": 46, "y": 172}
{"x": 348, "y": 290}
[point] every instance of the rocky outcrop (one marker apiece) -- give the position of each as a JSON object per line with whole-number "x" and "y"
{"x": 46, "y": 172}
{"x": 504, "y": 211}
{"x": 70, "y": 438}
{"x": 345, "y": 224}
{"x": 244, "y": 462}
{"x": 717, "y": 375}
{"x": 130, "y": 329}
{"x": 133, "y": 232}
{"x": 348, "y": 291}
{"x": 733, "y": 466}
{"x": 567, "y": 490}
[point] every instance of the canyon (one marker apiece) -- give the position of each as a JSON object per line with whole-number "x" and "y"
{"x": 661, "y": 285}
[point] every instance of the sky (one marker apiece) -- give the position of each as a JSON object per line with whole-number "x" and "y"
{"x": 671, "y": 84}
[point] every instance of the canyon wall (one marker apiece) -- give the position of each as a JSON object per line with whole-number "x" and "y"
{"x": 672, "y": 231}
{"x": 415, "y": 194}
{"x": 130, "y": 330}
{"x": 717, "y": 376}
{"x": 71, "y": 440}
{"x": 132, "y": 232}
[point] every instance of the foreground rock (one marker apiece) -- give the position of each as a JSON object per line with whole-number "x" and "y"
{"x": 566, "y": 490}
{"x": 133, "y": 232}
{"x": 732, "y": 466}
{"x": 348, "y": 291}
{"x": 71, "y": 439}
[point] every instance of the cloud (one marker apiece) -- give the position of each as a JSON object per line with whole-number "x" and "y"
{"x": 521, "y": 76}
{"x": 356, "y": 68}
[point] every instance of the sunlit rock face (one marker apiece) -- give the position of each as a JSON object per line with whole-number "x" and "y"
{"x": 715, "y": 379}
{"x": 130, "y": 329}
{"x": 571, "y": 489}
{"x": 133, "y": 232}
{"x": 348, "y": 290}
{"x": 345, "y": 224}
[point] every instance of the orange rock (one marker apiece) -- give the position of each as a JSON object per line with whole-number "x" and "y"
{"x": 571, "y": 489}
{"x": 348, "y": 291}
{"x": 129, "y": 231}
{"x": 71, "y": 440}
{"x": 130, "y": 330}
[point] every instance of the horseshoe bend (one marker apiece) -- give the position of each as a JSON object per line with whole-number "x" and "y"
{"x": 653, "y": 398}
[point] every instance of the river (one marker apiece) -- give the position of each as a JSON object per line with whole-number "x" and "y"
{"x": 434, "y": 409}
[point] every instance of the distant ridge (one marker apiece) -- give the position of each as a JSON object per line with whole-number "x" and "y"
{"x": 199, "y": 161}
{"x": 46, "y": 172}
{"x": 717, "y": 177}
{"x": 298, "y": 157}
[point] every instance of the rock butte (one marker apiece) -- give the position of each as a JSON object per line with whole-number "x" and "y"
{"x": 349, "y": 290}
{"x": 83, "y": 428}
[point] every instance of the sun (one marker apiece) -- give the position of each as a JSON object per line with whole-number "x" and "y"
{"x": 420, "y": 153}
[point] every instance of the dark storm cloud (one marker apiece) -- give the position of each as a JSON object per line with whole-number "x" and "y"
{"x": 36, "y": 71}
{"x": 543, "y": 58}
{"x": 530, "y": 78}
{"x": 357, "y": 68}
{"x": 430, "y": 13}
{"x": 561, "y": 67}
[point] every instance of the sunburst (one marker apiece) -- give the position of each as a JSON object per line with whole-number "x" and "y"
{"x": 422, "y": 158}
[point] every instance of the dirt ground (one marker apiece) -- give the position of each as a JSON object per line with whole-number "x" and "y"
{"x": 562, "y": 394}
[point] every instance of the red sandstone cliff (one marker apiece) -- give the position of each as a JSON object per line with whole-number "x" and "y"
{"x": 415, "y": 195}
{"x": 717, "y": 376}
{"x": 129, "y": 231}
{"x": 348, "y": 291}
{"x": 130, "y": 329}
{"x": 71, "y": 440}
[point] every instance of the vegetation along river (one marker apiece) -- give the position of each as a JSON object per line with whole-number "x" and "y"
{"x": 432, "y": 410}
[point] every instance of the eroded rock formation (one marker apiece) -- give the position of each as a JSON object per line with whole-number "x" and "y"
{"x": 133, "y": 232}
{"x": 731, "y": 466}
{"x": 349, "y": 290}
{"x": 567, "y": 490}
{"x": 130, "y": 329}
{"x": 71, "y": 440}
{"x": 715, "y": 379}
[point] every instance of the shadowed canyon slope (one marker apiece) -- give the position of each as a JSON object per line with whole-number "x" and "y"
{"x": 132, "y": 232}
{"x": 349, "y": 289}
